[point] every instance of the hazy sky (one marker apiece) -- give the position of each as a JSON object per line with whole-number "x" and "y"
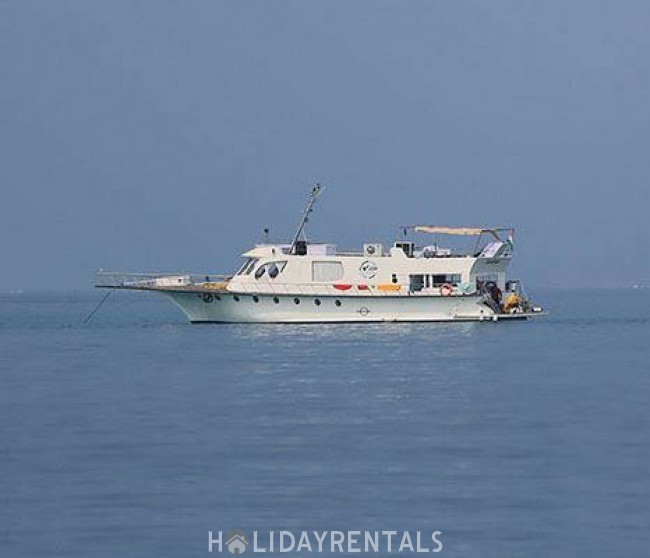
{"x": 160, "y": 135}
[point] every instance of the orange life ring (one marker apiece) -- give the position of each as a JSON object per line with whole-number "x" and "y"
{"x": 446, "y": 289}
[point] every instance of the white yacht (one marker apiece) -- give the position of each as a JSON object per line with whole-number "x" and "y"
{"x": 303, "y": 281}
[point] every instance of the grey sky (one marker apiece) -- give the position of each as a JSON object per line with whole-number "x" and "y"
{"x": 166, "y": 135}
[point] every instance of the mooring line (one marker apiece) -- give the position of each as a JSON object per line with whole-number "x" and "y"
{"x": 87, "y": 318}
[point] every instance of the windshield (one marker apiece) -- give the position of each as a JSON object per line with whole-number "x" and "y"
{"x": 247, "y": 266}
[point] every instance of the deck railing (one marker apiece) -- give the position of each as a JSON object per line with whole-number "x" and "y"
{"x": 121, "y": 279}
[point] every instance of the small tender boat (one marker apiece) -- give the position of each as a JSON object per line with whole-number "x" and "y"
{"x": 303, "y": 281}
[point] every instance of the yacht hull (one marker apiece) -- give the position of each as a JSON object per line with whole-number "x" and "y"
{"x": 227, "y": 307}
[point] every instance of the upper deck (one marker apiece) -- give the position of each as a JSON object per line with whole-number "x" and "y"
{"x": 402, "y": 269}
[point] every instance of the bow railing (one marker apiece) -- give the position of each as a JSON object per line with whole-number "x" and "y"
{"x": 126, "y": 280}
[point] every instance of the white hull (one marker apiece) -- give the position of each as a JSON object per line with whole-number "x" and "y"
{"x": 247, "y": 308}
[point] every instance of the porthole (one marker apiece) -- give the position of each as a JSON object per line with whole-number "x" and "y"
{"x": 296, "y": 301}
{"x": 235, "y": 298}
{"x": 276, "y": 300}
{"x": 317, "y": 302}
{"x": 337, "y": 302}
{"x": 256, "y": 298}
{"x": 394, "y": 278}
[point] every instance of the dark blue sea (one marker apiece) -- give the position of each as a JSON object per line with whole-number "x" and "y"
{"x": 136, "y": 434}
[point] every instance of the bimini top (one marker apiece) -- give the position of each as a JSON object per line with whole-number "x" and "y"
{"x": 465, "y": 231}
{"x": 470, "y": 231}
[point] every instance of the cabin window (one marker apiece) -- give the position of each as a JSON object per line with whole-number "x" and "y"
{"x": 416, "y": 282}
{"x": 325, "y": 272}
{"x": 275, "y": 268}
{"x": 243, "y": 267}
{"x": 442, "y": 279}
{"x": 251, "y": 265}
{"x": 419, "y": 282}
{"x": 488, "y": 278}
{"x": 247, "y": 266}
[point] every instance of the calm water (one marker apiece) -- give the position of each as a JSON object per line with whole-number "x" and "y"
{"x": 136, "y": 434}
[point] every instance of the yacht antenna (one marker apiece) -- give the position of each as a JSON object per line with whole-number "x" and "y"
{"x": 315, "y": 192}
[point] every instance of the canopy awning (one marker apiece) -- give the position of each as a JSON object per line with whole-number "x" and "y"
{"x": 466, "y": 231}
{"x": 449, "y": 230}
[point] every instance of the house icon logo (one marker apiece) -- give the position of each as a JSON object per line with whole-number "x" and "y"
{"x": 236, "y": 542}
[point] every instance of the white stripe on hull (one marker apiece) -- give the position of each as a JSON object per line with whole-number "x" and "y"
{"x": 240, "y": 308}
